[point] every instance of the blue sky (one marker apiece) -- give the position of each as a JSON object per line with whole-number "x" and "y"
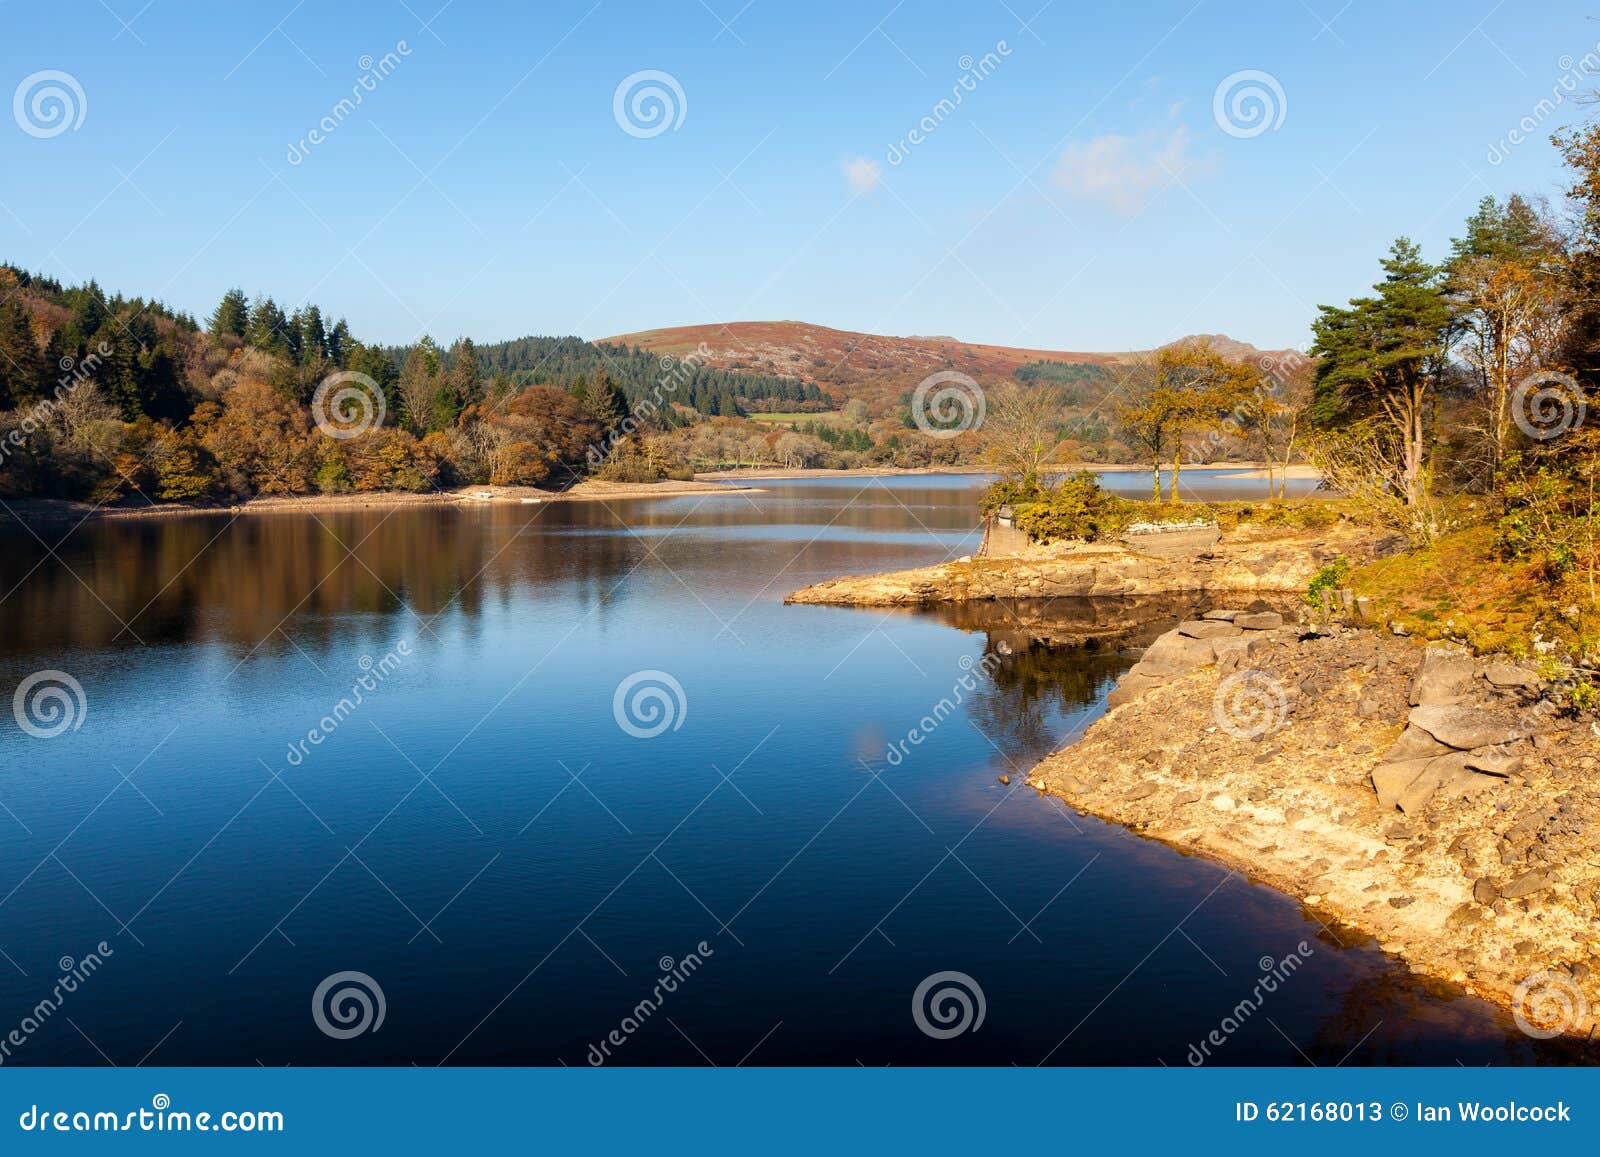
{"x": 1082, "y": 195}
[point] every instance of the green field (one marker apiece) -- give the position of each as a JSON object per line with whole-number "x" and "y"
{"x": 794, "y": 419}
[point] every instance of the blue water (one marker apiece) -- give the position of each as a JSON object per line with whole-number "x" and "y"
{"x": 514, "y": 869}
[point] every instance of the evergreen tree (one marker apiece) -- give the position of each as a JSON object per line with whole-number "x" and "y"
{"x": 231, "y": 316}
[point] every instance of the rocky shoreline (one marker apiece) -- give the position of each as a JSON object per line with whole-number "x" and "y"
{"x": 1248, "y": 559}
{"x": 1444, "y": 805}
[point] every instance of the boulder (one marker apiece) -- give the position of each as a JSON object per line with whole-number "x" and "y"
{"x": 1484, "y": 891}
{"x": 1392, "y": 779}
{"x": 1445, "y": 676}
{"x": 1434, "y": 774}
{"x": 1415, "y": 743}
{"x": 1509, "y": 675}
{"x": 1494, "y": 760}
{"x": 1236, "y": 650}
{"x": 1207, "y": 629}
{"x": 1526, "y": 885}
{"x": 1173, "y": 654}
{"x": 1259, "y": 621}
{"x": 1220, "y": 616}
{"x": 1463, "y": 728}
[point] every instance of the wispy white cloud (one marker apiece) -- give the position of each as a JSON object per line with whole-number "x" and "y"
{"x": 1124, "y": 173}
{"x": 861, "y": 174}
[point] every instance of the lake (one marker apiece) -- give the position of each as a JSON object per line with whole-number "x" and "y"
{"x": 595, "y": 793}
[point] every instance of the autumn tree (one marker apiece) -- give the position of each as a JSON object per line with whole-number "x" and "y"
{"x": 1502, "y": 284}
{"x": 1019, "y": 430}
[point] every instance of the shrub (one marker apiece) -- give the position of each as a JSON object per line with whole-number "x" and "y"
{"x": 1335, "y": 576}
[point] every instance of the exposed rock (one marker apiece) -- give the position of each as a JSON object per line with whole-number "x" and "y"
{"x": 1185, "y": 798}
{"x": 1392, "y": 779}
{"x": 1141, "y": 791}
{"x": 1445, "y": 676}
{"x": 1220, "y": 615}
{"x": 1494, "y": 760}
{"x": 1509, "y": 675}
{"x": 1130, "y": 687}
{"x": 1259, "y": 621}
{"x": 1526, "y": 885}
{"x": 1173, "y": 654}
{"x": 1207, "y": 629}
{"x": 1463, "y": 728}
{"x": 1415, "y": 743}
{"x": 1237, "y": 650}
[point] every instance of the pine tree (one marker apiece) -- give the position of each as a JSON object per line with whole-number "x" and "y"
{"x": 231, "y": 316}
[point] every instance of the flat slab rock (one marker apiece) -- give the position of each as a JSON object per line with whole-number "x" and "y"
{"x": 1259, "y": 621}
{"x": 1208, "y": 629}
{"x": 1465, "y": 728}
{"x": 1445, "y": 676}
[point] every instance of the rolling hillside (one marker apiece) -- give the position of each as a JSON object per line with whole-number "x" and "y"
{"x": 876, "y": 368}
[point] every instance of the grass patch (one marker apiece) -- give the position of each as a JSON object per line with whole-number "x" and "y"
{"x": 1460, "y": 589}
{"x": 830, "y": 416}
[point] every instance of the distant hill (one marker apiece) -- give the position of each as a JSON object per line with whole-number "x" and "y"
{"x": 879, "y": 368}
